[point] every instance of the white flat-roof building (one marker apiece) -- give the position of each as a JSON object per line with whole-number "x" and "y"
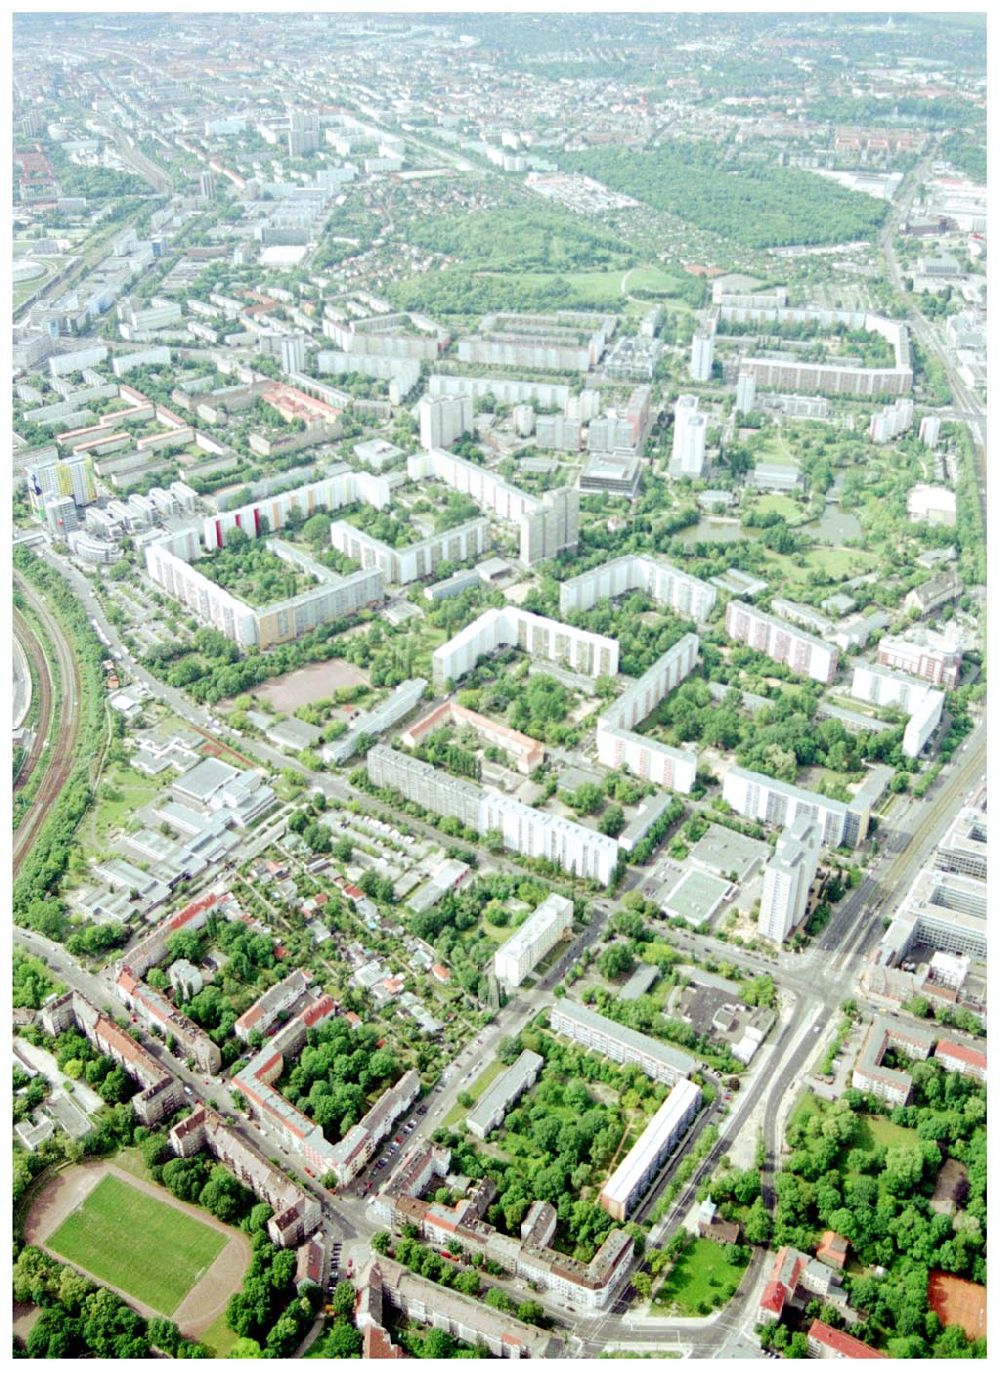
{"x": 617, "y": 743}
{"x": 781, "y": 641}
{"x": 529, "y": 944}
{"x": 788, "y": 877}
{"x": 630, "y": 1180}
{"x": 758, "y": 797}
{"x": 618, "y": 1042}
{"x": 594, "y": 655}
{"x": 661, "y": 581}
{"x": 501, "y": 1095}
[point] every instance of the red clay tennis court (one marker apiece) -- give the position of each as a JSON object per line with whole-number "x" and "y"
{"x": 958, "y": 1302}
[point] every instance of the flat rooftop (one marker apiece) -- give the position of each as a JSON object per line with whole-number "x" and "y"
{"x": 696, "y": 897}
{"x": 723, "y": 851}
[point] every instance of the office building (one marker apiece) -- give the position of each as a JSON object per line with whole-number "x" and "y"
{"x": 631, "y": 1179}
{"x": 781, "y": 641}
{"x": 444, "y": 419}
{"x": 508, "y": 1088}
{"x": 702, "y": 354}
{"x": 611, "y": 474}
{"x": 687, "y": 456}
{"x": 582, "y": 651}
{"x": 603, "y": 1036}
{"x": 943, "y": 911}
{"x": 936, "y": 658}
{"x": 552, "y": 528}
{"x": 746, "y": 392}
{"x": 524, "y": 950}
{"x": 663, "y": 583}
{"x": 963, "y": 848}
{"x": 757, "y": 797}
{"x": 400, "y": 566}
{"x": 618, "y": 746}
{"x": 788, "y": 877}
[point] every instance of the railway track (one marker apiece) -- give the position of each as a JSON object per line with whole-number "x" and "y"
{"x": 61, "y": 756}
{"x": 35, "y": 654}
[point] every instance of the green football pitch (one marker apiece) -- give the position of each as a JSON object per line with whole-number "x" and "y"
{"x": 147, "y": 1248}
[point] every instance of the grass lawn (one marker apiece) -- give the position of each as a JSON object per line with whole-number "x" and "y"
{"x": 130, "y": 791}
{"x": 777, "y": 450}
{"x": 778, "y": 504}
{"x": 699, "y": 1282}
{"x": 807, "y": 1105}
{"x": 876, "y": 1132}
{"x": 145, "y": 1247}
{"x": 218, "y": 1338}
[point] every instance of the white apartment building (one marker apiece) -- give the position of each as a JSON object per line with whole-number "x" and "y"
{"x": 881, "y": 686}
{"x": 73, "y": 476}
{"x": 561, "y": 433}
{"x": 930, "y": 430}
{"x": 522, "y": 828}
{"x": 631, "y": 1179}
{"x": 528, "y": 945}
{"x": 488, "y": 490}
{"x": 787, "y": 878}
{"x": 619, "y": 1043}
{"x": 687, "y": 455}
{"x": 702, "y": 354}
{"x": 758, "y": 797}
{"x": 401, "y": 566}
{"x": 269, "y": 514}
{"x": 553, "y": 528}
{"x": 781, "y": 641}
{"x": 62, "y": 364}
{"x": 594, "y": 655}
{"x": 746, "y": 392}
{"x": 661, "y": 581}
{"x": 618, "y": 746}
{"x": 503, "y": 1093}
{"x": 444, "y": 419}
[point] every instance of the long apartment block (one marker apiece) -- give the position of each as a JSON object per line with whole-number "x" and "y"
{"x": 269, "y": 514}
{"x": 631, "y": 1179}
{"x": 665, "y": 584}
{"x": 525, "y": 830}
{"x": 527, "y": 946}
{"x": 593, "y": 655}
{"x": 781, "y": 641}
{"x": 758, "y": 797}
{"x": 619, "y": 746}
{"x": 618, "y": 1042}
{"x": 168, "y": 565}
{"x": 400, "y": 566}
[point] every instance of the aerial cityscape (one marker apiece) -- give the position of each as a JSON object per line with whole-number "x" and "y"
{"x": 499, "y": 685}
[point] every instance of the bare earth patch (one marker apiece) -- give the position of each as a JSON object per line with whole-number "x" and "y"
{"x": 312, "y": 683}
{"x": 207, "y": 1298}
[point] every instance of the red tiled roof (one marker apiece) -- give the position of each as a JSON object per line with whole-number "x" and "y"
{"x": 845, "y": 1345}
{"x": 773, "y": 1298}
{"x": 948, "y": 1048}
